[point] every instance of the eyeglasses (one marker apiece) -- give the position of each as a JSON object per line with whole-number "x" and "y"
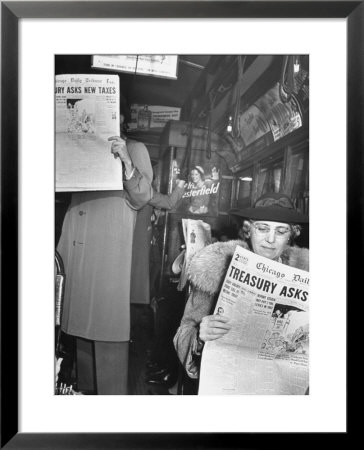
{"x": 263, "y": 229}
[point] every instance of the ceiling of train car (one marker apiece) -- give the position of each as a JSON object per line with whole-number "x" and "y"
{"x": 200, "y": 79}
{"x": 167, "y": 92}
{"x": 145, "y": 89}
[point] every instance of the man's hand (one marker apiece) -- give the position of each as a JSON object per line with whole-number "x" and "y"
{"x": 214, "y": 327}
{"x": 119, "y": 149}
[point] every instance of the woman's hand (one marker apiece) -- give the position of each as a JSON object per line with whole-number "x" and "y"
{"x": 181, "y": 183}
{"x": 214, "y": 174}
{"x": 214, "y": 327}
{"x": 119, "y": 149}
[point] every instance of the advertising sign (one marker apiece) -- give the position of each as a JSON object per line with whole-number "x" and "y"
{"x": 164, "y": 66}
{"x": 203, "y": 184}
{"x": 144, "y": 117}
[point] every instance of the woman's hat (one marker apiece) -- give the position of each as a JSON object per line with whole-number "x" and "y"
{"x": 199, "y": 169}
{"x": 274, "y": 207}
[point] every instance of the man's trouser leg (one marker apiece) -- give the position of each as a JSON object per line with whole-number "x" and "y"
{"x": 111, "y": 360}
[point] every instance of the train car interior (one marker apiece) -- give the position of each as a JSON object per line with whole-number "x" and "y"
{"x": 238, "y": 122}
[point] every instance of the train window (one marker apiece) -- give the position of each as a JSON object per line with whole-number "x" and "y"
{"x": 296, "y": 178}
{"x": 225, "y": 194}
{"x": 244, "y": 187}
{"x": 269, "y": 177}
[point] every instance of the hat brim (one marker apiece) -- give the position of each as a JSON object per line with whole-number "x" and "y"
{"x": 274, "y": 214}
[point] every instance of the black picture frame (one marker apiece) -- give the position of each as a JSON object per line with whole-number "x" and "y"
{"x": 11, "y": 13}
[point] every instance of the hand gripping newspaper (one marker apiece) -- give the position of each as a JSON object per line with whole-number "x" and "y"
{"x": 267, "y": 349}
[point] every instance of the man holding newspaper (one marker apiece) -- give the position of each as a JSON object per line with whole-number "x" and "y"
{"x": 259, "y": 344}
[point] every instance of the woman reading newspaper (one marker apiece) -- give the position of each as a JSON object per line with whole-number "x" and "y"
{"x": 268, "y": 229}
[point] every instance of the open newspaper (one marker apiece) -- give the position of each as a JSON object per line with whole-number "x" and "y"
{"x": 266, "y": 351}
{"x": 197, "y": 234}
{"x": 87, "y": 114}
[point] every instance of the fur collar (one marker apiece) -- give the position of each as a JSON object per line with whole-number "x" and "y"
{"x": 208, "y": 266}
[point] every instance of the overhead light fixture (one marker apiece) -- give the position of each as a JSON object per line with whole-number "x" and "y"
{"x": 229, "y": 127}
{"x": 296, "y": 65}
{"x": 191, "y": 64}
{"x": 246, "y": 178}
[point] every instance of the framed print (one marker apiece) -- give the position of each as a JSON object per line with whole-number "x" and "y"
{"x": 31, "y": 35}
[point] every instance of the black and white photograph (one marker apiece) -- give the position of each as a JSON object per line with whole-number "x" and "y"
{"x": 203, "y": 159}
{"x": 181, "y": 200}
